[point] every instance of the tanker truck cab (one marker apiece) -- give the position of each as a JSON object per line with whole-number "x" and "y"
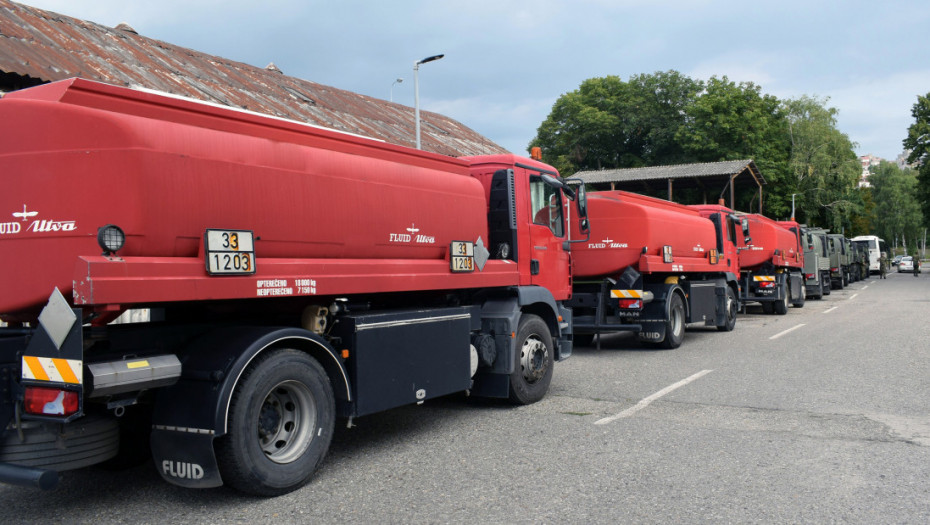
{"x": 318, "y": 276}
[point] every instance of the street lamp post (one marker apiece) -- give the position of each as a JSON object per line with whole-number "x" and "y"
{"x": 792, "y": 204}
{"x": 416, "y": 91}
{"x": 398, "y": 81}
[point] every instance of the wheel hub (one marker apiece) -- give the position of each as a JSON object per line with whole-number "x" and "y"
{"x": 533, "y": 358}
{"x": 286, "y": 422}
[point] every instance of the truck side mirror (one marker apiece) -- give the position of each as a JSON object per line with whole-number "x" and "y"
{"x": 745, "y": 224}
{"x": 582, "y": 202}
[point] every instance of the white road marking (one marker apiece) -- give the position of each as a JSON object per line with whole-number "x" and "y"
{"x": 830, "y": 310}
{"x": 648, "y": 400}
{"x": 853, "y": 296}
{"x": 866, "y": 286}
{"x": 779, "y": 334}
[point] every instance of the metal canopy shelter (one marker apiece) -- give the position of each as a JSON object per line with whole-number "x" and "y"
{"x": 706, "y": 177}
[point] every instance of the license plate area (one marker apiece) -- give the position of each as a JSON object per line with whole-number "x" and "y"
{"x": 229, "y": 252}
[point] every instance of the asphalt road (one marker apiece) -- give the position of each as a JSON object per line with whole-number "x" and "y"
{"x": 818, "y": 416}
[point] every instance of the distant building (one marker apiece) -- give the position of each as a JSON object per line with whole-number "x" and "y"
{"x": 902, "y": 162}
{"x": 868, "y": 161}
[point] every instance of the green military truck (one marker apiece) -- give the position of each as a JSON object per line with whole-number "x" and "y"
{"x": 839, "y": 260}
{"x": 816, "y": 263}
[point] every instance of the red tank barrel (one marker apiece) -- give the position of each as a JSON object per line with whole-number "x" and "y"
{"x": 771, "y": 242}
{"x": 77, "y": 155}
{"x": 626, "y": 226}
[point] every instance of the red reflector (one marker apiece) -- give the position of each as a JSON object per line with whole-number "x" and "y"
{"x": 50, "y": 401}
{"x": 630, "y": 304}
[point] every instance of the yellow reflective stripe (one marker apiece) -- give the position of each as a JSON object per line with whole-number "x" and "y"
{"x": 35, "y": 368}
{"x": 763, "y": 277}
{"x": 626, "y": 294}
{"x": 64, "y": 370}
{"x": 53, "y": 369}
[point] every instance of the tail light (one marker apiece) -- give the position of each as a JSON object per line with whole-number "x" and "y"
{"x": 809, "y": 275}
{"x": 51, "y": 401}
{"x": 767, "y": 284}
{"x": 630, "y": 304}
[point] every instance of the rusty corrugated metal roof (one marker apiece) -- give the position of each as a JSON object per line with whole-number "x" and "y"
{"x": 47, "y": 46}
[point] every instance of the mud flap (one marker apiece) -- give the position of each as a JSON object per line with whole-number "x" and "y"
{"x": 653, "y": 330}
{"x": 654, "y": 314}
{"x": 185, "y": 458}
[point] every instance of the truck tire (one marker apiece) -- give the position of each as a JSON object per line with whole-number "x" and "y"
{"x": 731, "y": 308}
{"x": 781, "y": 307}
{"x": 826, "y": 284}
{"x": 86, "y": 441}
{"x": 798, "y": 302}
{"x": 674, "y": 324}
{"x": 532, "y": 374}
{"x": 281, "y": 421}
{"x": 818, "y": 292}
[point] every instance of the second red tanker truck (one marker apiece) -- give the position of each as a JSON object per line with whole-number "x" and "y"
{"x": 293, "y": 274}
{"x": 652, "y": 266}
{"x": 771, "y": 261}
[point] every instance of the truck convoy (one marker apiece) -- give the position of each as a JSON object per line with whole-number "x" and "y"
{"x": 294, "y": 275}
{"x": 652, "y": 266}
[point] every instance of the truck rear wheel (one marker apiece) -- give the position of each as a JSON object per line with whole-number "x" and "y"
{"x": 798, "y": 302}
{"x": 86, "y": 441}
{"x": 530, "y": 379}
{"x": 281, "y": 421}
{"x": 818, "y": 292}
{"x": 780, "y": 307}
{"x": 730, "y": 312}
{"x": 675, "y": 323}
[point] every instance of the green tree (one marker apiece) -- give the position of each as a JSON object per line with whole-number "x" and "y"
{"x": 823, "y": 166}
{"x": 918, "y": 143}
{"x": 731, "y": 121}
{"x": 897, "y": 216}
{"x": 609, "y": 123}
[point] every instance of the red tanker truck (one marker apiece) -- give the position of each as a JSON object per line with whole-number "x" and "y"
{"x": 290, "y": 274}
{"x": 652, "y": 266}
{"x": 771, "y": 261}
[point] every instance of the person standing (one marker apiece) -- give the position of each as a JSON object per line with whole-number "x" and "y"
{"x": 883, "y": 264}
{"x": 916, "y": 264}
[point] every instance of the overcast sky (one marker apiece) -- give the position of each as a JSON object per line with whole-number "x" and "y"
{"x": 507, "y": 61}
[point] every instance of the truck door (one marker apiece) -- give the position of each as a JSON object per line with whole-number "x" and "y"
{"x": 550, "y": 263}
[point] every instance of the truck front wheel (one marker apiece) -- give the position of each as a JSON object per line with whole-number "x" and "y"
{"x": 281, "y": 421}
{"x": 530, "y": 380}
